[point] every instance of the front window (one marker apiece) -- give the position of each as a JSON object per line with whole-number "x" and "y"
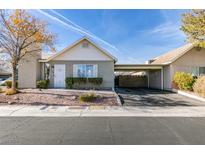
{"x": 197, "y": 71}
{"x": 201, "y": 70}
{"x": 194, "y": 71}
{"x": 85, "y": 70}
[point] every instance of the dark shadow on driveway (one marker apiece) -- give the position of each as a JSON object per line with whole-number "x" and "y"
{"x": 152, "y": 97}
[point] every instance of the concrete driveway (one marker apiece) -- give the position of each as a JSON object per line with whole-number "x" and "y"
{"x": 151, "y": 97}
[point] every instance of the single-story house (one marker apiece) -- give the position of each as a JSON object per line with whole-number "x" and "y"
{"x": 160, "y": 70}
{"x": 187, "y": 59}
{"x": 84, "y": 58}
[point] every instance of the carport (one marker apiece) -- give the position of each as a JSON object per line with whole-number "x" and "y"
{"x": 154, "y": 73}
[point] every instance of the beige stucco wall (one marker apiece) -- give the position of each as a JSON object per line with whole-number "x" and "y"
{"x": 80, "y": 53}
{"x": 105, "y": 70}
{"x": 155, "y": 79}
{"x": 29, "y": 71}
{"x": 193, "y": 58}
{"x": 167, "y": 77}
{"x": 133, "y": 81}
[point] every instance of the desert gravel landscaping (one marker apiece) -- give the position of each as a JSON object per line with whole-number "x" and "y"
{"x": 57, "y": 97}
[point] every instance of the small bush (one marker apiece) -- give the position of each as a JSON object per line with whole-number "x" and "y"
{"x": 8, "y": 84}
{"x": 79, "y": 80}
{"x": 1, "y": 91}
{"x": 90, "y": 97}
{"x": 95, "y": 81}
{"x": 42, "y": 84}
{"x": 183, "y": 80}
{"x": 199, "y": 86}
{"x": 11, "y": 91}
{"x": 69, "y": 82}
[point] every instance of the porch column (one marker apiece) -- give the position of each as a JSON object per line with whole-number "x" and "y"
{"x": 43, "y": 71}
{"x": 162, "y": 79}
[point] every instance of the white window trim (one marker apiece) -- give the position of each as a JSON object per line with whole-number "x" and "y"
{"x": 95, "y": 67}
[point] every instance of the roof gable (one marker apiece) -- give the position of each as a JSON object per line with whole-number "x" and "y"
{"x": 76, "y": 51}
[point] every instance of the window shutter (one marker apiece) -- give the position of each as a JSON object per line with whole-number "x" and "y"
{"x": 95, "y": 70}
{"x": 75, "y": 70}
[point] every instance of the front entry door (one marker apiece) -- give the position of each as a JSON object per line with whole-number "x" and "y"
{"x": 59, "y": 76}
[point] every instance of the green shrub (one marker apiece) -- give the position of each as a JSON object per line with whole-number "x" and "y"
{"x": 95, "y": 81}
{"x": 8, "y": 84}
{"x": 42, "y": 84}
{"x": 199, "y": 86}
{"x": 184, "y": 80}
{"x": 79, "y": 80}
{"x": 69, "y": 82}
{"x": 90, "y": 97}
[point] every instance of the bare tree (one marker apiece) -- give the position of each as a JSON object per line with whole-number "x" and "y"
{"x": 22, "y": 34}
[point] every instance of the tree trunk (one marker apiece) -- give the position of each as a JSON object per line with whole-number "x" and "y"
{"x": 14, "y": 78}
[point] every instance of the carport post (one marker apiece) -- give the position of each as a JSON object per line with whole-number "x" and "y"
{"x": 162, "y": 79}
{"x": 148, "y": 79}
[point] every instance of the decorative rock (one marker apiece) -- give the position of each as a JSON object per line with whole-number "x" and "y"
{"x": 10, "y": 102}
{"x": 73, "y": 97}
{"x": 16, "y": 98}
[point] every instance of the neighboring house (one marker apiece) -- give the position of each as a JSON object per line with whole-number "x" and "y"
{"x": 83, "y": 58}
{"x": 187, "y": 59}
{"x": 5, "y": 70}
{"x": 160, "y": 70}
{"x": 4, "y": 74}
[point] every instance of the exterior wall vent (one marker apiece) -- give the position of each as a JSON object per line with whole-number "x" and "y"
{"x": 85, "y": 45}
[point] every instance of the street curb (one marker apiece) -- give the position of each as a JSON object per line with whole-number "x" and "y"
{"x": 183, "y": 93}
{"x": 117, "y": 96}
{"x": 116, "y": 111}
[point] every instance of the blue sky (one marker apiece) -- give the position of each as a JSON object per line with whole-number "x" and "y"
{"x": 133, "y": 36}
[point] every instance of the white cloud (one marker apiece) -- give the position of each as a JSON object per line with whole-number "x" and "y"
{"x": 166, "y": 30}
{"x": 74, "y": 27}
{"x": 170, "y": 28}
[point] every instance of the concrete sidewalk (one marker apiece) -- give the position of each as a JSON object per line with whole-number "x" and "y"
{"x": 99, "y": 111}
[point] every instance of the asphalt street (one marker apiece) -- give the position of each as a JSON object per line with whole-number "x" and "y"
{"x": 102, "y": 130}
